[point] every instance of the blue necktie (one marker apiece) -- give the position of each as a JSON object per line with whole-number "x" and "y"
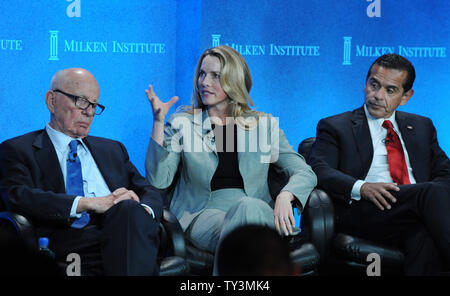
{"x": 74, "y": 181}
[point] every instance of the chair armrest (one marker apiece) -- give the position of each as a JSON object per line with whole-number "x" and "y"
{"x": 317, "y": 220}
{"x": 22, "y": 226}
{"x": 174, "y": 234}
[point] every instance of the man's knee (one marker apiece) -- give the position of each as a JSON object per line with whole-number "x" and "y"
{"x": 427, "y": 190}
{"x": 125, "y": 206}
{"x": 131, "y": 212}
{"x": 436, "y": 191}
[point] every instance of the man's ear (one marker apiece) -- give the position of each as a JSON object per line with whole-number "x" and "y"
{"x": 406, "y": 96}
{"x": 50, "y": 98}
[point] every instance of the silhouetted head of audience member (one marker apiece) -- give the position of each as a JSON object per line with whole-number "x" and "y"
{"x": 255, "y": 250}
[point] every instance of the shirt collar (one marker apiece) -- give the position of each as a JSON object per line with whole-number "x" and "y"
{"x": 379, "y": 121}
{"x": 60, "y": 140}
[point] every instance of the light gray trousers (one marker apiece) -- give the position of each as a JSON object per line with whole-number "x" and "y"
{"x": 226, "y": 210}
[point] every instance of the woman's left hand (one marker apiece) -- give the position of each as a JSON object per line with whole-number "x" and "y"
{"x": 283, "y": 214}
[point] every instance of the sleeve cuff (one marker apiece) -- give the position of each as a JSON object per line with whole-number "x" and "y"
{"x": 151, "y": 210}
{"x": 356, "y": 190}
{"x": 73, "y": 210}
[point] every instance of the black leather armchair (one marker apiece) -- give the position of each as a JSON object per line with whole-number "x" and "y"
{"x": 342, "y": 253}
{"x": 303, "y": 252}
{"x": 171, "y": 254}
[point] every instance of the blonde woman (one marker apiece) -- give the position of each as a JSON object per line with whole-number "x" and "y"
{"x": 222, "y": 149}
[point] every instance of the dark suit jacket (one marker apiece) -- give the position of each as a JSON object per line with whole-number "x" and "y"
{"x": 343, "y": 152}
{"x": 31, "y": 180}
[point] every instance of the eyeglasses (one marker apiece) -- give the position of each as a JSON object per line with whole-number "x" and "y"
{"x": 82, "y": 102}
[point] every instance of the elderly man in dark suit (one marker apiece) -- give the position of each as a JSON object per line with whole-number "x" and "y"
{"x": 82, "y": 191}
{"x": 386, "y": 172}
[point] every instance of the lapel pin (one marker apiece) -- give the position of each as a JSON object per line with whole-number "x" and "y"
{"x": 409, "y": 127}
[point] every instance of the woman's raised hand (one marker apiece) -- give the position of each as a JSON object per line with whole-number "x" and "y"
{"x": 160, "y": 109}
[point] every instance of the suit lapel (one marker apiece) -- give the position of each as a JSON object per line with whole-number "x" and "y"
{"x": 101, "y": 159}
{"x": 363, "y": 140}
{"x": 408, "y": 131}
{"x": 52, "y": 177}
{"x": 202, "y": 128}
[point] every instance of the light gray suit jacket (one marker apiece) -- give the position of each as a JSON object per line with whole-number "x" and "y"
{"x": 189, "y": 146}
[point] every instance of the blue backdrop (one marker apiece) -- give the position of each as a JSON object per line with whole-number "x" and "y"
{"x": 308, "y": 59}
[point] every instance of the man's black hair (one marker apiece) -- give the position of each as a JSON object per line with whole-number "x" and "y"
{"x": 397, "y": 62}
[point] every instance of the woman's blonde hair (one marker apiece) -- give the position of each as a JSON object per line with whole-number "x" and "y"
{"x": 235, "y": 79}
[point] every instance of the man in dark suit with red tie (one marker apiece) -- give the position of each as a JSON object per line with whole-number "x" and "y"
{"x": 384, "y": 169}
{"x": 82, "y": 191}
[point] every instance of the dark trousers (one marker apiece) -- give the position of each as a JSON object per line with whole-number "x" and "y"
{"x": 418, "y": 223}
{"x": 122, "y": 241}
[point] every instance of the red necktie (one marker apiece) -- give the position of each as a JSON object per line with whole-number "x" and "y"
{"x": 396, "y": 157}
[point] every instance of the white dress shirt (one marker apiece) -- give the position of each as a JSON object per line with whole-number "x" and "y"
{"x": 379, "y": 168}
{"x": 94, "y": 184}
